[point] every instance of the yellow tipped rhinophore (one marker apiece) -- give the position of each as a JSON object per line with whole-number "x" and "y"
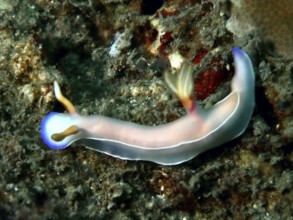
{"x": 182, "y": 84}
{"x": 64, "y": 101}
{"x": 69, "y": 131}
{"x": 58, "y": 137}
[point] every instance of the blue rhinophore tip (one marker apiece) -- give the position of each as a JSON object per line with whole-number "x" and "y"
{"x": 53, "y": 123}
{"x": 238, "y": 52}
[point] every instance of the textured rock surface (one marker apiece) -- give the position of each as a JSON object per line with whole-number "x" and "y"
{"x": 269, "y": 20}
{"x": 68, "y": 41}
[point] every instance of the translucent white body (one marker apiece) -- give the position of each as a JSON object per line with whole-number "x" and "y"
{"x": 168, "y": 144}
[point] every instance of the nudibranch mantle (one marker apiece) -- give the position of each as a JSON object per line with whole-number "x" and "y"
{"x": 168, "y": 144}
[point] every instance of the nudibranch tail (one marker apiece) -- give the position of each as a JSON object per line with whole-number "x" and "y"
{"x": 182, "y": 85}
{"x": 243, "y": 67}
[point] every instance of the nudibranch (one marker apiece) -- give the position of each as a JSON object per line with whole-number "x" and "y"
{"x": 169, "y": 144}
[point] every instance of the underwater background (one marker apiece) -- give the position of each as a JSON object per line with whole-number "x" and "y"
{"x": 109, "y": 57}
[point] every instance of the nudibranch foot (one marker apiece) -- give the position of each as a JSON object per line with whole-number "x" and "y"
{"x": 168, "y": 144}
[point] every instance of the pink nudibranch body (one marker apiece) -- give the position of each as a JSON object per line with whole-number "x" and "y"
{"x": 168, "y": 144}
